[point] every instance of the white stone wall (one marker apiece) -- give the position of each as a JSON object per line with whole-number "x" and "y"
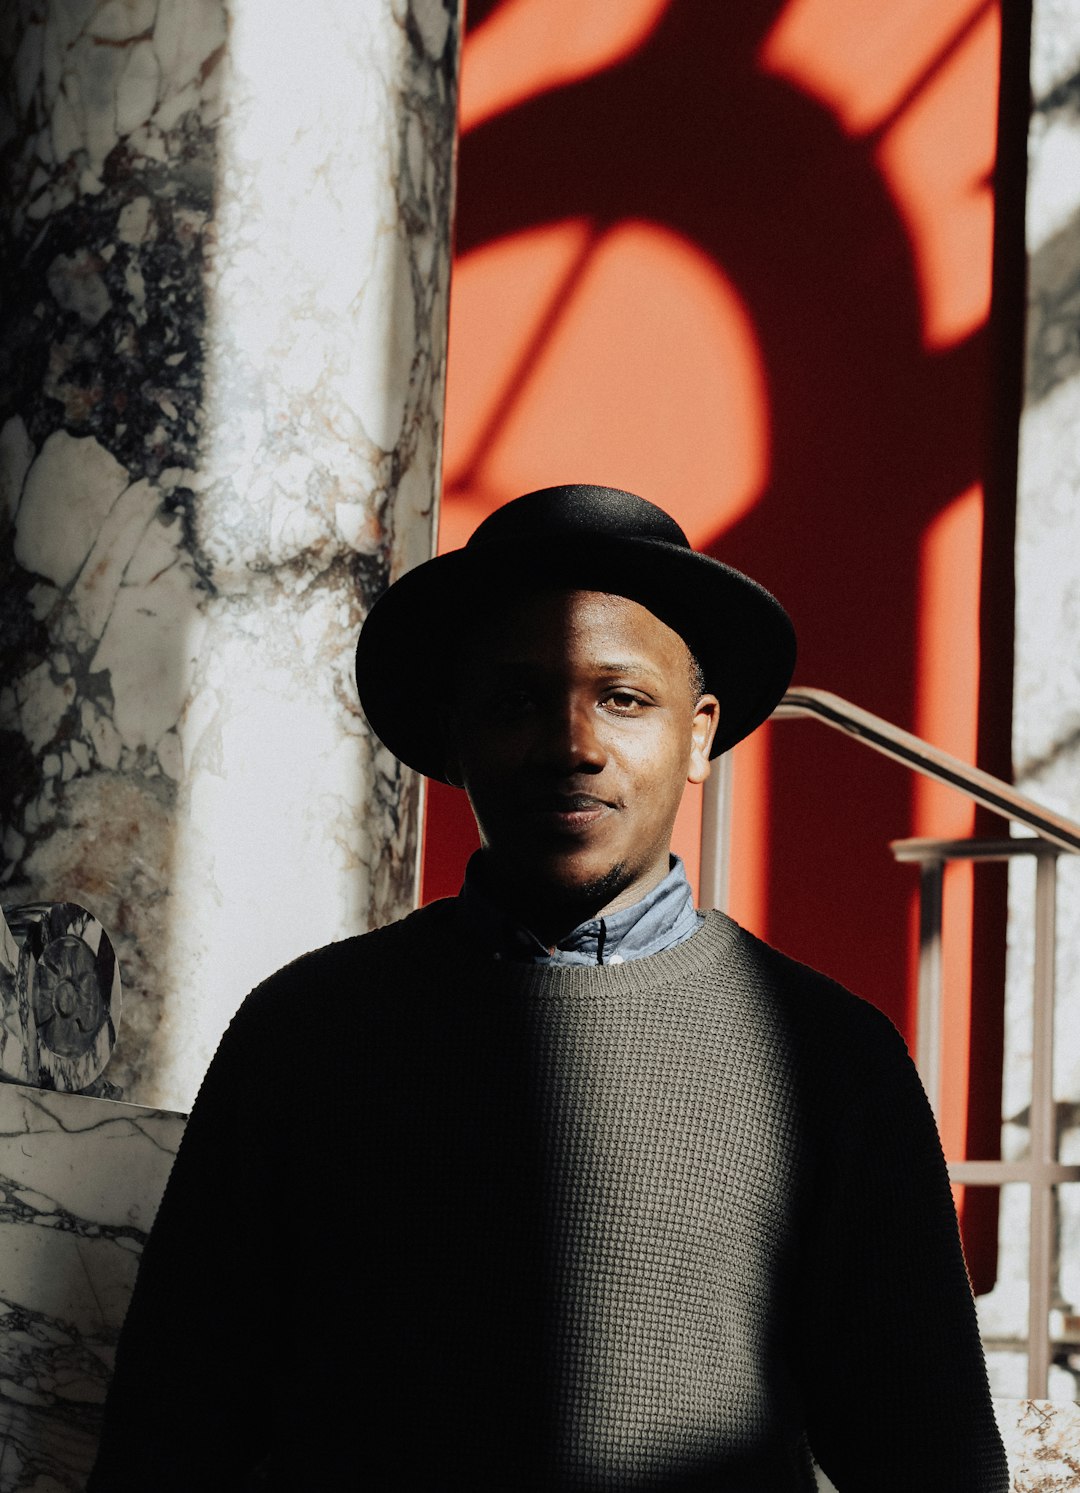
{"x": 221, "y": 388}
{"x": 1046, "y": 736}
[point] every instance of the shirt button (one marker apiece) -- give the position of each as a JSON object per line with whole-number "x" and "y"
{"x": 616, "y": 959}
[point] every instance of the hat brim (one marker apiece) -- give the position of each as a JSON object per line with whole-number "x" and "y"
{"x": 738, "y": 631}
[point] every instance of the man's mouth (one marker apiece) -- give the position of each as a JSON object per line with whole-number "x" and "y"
{"x": 572, "y": 812}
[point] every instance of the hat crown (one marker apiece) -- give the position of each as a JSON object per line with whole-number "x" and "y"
{"x": 579, "y": 509}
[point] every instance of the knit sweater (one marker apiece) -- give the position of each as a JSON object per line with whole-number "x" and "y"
{"x": 441, "y": 1222}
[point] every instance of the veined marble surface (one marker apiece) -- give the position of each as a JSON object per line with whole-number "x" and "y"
{"x": 225, "y": 242}
{"x": 80, "y": 1182}
{"x": 1046, "y": 732}
{"x": 1042, "y": 1442}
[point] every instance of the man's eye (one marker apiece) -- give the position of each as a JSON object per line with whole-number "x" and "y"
{"x": 509, "y": 704}
{"x": 623, "y": 702}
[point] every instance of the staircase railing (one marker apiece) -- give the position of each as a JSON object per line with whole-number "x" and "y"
{"x": 1050, "y": 835}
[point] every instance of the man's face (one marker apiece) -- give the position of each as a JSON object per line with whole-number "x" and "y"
{"x": 574, "y": 731}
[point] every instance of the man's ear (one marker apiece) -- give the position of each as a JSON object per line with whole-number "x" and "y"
{"x": 452, "y": 772}
{"x": 706, "y": 720}
{"x": 451, "y": 766}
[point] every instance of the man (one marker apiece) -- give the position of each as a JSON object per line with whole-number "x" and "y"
{"x": 559, "y": 1185}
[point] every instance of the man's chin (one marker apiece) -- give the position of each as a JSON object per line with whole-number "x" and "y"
{"x": 581, "y": 890}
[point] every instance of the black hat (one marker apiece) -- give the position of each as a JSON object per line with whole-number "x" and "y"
{"x": 587, "y": 538}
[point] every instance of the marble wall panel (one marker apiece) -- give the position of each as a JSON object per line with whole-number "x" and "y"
{"x": 1046, "y": 735}
{"x": 1042, "y": 1443}
{"x": 224, "y": 243}
{"x": 80, "y": 1182}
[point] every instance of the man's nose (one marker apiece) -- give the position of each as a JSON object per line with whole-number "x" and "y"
{"x": 570, "y": 741}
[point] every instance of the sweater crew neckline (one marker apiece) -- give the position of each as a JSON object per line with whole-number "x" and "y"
{"x": 636, "y": 977}
{"x": 663, "y": 917}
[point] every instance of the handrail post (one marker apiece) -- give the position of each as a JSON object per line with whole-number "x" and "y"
{"x": 1043, "y": 1131}
{"x": 929, "y": 998}
{"x": 715, "y": 875}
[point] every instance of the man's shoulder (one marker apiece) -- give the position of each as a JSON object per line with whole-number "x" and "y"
{"x": 812, "y": 1003}
{"x": 338, "y": 970}
{"x": 333, "y": 994}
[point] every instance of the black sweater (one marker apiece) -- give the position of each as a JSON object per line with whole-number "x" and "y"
{"x": 444, "y": 1223}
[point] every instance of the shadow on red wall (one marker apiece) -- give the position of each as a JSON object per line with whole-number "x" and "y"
{"x": 871, "y": 436}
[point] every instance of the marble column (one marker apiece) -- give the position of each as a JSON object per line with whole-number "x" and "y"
{"x": 1046, "y": 735}
{"x": 225, "y": 265}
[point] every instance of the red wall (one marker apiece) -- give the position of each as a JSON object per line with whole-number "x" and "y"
{"x": 740, "y": 259}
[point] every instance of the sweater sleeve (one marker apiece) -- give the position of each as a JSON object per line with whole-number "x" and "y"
{"x": 191, "y": 1401}
{"x": 894, "y": 1380}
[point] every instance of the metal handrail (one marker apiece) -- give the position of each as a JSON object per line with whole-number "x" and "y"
{"x": 993, "y": 793}
{"x": 1042, "y": 1172}
{"x": 893, "y": 742}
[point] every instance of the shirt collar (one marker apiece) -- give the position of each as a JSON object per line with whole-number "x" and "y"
{"x": 664, "y": 917}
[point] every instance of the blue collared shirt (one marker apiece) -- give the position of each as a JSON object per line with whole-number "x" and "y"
{"x": 664, "y": 917}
